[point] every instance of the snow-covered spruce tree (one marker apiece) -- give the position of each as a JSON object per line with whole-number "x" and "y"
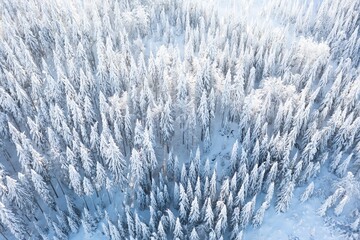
{"x": 42, "y": 189}
{"x": 208, "y": 215}
{"x": 136, "y": 168}
{"x": 166, "y": 123}
{"x": 203, "y": 114}
{"x": 285, "y": 196}
{"x": 75, "y": 180}
{"x": 194, "y": 215}
{"x": 14, "y": 224}
{"x": 234, "y": 156}
{"x": 247, "y": 212}
{"x": 116, "y": 162}
{"x": 308, "y": 192}
{"x": 88, "y": 221}
{"x": 20, "y": 195}
{"x": 221, "y": 222}
{"x": 178, "y": 230}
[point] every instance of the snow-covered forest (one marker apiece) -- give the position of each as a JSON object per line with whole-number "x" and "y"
{"x": 179, "y": 119}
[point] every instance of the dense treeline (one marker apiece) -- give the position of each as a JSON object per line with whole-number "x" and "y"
{"x": 98, "y": 98}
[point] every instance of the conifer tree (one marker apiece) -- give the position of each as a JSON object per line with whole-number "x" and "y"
{"x": 14, "y": 224}
{"x": 194, "y": 215}
{"x": 259, "y": 215}
{"x": 285, "y": 196}
{"x": 247, "y": 212}
{"x": 203, "y": 111}
{"x": 161, "y": 232}
{"x": 116, "y": 162}
{"x": 166, "y": 123}
{"x": 209, "y": 215}
{"x": 178, "y": 230}
{"x": 75, "y": 180}
{"x": 234, "y": 156}
{"x": 19, "y": 194}
{"x": 308, "y": 192}
{"x": 41, "y": 188}
{"x": 88, "y": 221}
{"x": 194, "y": 235}
{"x": 136, "y": 168}
{"x": 212, "y": 187}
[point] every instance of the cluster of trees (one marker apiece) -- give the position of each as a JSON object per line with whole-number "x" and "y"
{"x": 91, "y": 111}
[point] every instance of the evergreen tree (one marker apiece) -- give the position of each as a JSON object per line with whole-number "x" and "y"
{"x": 114, "y": 231}
{"x": 41, "y": 188}
{"x": 194, "y": 235}
{"x": 342, "y": 167}
{"x": 254, "y": 175}
{"x": 225, "y": 189}
{"x": 136, "y": 168}
{"x": 100, "y": 176}
{"x": 88, "y": 187}
{"x": 209, "y": 215}
{"x": 194, "y": 215}
{"x": 73, "y": 218}
{"x": 178, "y": 230}
{"x": 166, "y": 123}
{"x": 247, "y": 212}
{"x": 183, "y": 177}
{"x": 116, "y": 162}
{"x": 259, "y": 215}
{"x": 75, "y": 180}
{"x": 308, "y": 192}
{"x": 12, "y": 222}
{"x": 203, "y": 112}
{"x": 212, "y": 187}
{"x": 285, "y": 196}
{"x": 149, "y": 152}
{"x": 170, "y": 166}
{"x": 86, "y": 160}
{"x": 197, "y": 192}
{"x": 221, "y": 223}
{"x": 19, "y": 195}
{"x": 234, "y": 156}
{"x": 88, "y": 221}
{"x": 161, "y": 232}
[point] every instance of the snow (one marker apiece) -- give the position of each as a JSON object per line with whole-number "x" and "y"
{"x": 81, "y": 235}
{"x": 265, "y": 33}
{"x": 301, "y": 221}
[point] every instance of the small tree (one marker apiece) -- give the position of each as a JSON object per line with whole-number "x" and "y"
{"x": 308, "y": 192}
{"x": 285, "y": 196}
{"x": 42, "y": 189}
{"x": 15, "y": 225}
{"x": 88, "y": 222}
{"x": 247, "y": 212}
{"x": 194, "y": 212}
{"x": 259, "y": 215}
{"x": 75, "y": 180}
{"x": 178, "y": 231}
{"x": 194, "y": 235}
